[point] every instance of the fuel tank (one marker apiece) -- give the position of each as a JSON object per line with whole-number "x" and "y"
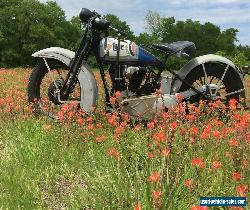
{"x": 130, "y": 53}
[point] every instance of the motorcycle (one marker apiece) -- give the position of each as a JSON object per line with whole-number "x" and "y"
{"x": 134, "y": 73}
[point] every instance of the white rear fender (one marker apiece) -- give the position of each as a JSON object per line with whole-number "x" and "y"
{"x": 89, "y": 90}
{"x": 199, "y": 61}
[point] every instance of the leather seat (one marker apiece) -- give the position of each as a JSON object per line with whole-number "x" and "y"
{"x": 175, "y": 47}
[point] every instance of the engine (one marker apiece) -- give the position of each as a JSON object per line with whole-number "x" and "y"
{"x": 138, "y": 86}
{"x": 134, "y": 79}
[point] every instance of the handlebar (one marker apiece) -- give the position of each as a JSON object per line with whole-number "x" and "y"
{"x": 118, "y": 31}
{"x": 104, "y": 25}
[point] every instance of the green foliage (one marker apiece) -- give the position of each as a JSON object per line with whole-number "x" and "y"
{"x": 239, "y": 58}
{"x": 120, "y": 25}
{"x": 146, "y": 39}
{"x": 28, "y": 26}
{"x": 207, "y": 37}
{"x": 245, "y": 50}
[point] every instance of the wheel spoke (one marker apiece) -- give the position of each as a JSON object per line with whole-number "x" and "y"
{"x": 205, "y": 73}
{"x": 201, "y": 82}
{"x": 222, "y": 87}
{"x": 238, "y": 91}
{"x": 222, "y": 78}
{"x": 211, "y": 79}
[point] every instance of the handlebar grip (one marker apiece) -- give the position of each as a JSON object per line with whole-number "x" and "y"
{"x": 101, "y": 24}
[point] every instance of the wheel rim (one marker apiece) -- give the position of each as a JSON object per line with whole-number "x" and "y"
{"x": 217, "y": 78}
{"x": 44, "y": 103}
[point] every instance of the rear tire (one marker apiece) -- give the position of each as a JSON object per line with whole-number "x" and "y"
{"x": 231, "y": 83}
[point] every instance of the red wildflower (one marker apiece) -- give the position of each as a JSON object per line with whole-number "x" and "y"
{"x": 137, "y": 127}
{"x": 165, "y": 116}
{"x": 235, "y": 208}
{"x": 216, "y": 123}
{"x": 156, "y": 195}
{"x": 244, "y": 163}
{"x": 113, "y": 153}
{"x": 151, "y": 125}
{"x": 242, "y": 189}
{"x": 155, "y": 177}
{"x": 233, "y": 104}
{"x": 191, "y": 140}
{"x": 216, "y": 134}
{"x": 199, "y": 208}
{"x": 182, "y": 131}
{"x": 198, "y": 162}
{"x": 194, "y": 131}
{"x": 47, "y": 127}
{"x": 190, "y": 117}
{"x": 179, "y": 97}
{"x": 151, "y": 155}
{"x": 99, "y": 125}
{"x": 173, "y": 126}
{"x": 80, "y": 121}
{"x": 236, "y": 176}
{"x": 112, "y": 120}
{"x": 205, "y": 134}
{"x": 126, "y": 117}
{"x": 188, "y": 183}
{"x": 137, "y": 207}
{"x": 118, "y": 94}
{"x": 119, "y": 130}
{"x": 227, "y": 131}
{"x": 112, "y": 100}
{"x": 91, "y": 127}
{"x": 89, "y": 119}
{"x": 216, "y": 164}
{"x": 165, "y": 152}
{"x": 161, "y": 136}
{"x": 233, "y": 142}
{"x": 101, "y": 138}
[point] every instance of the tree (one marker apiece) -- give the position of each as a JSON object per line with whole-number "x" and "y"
{"x": 208, "y": 37}
{"x": 28, "y": 26}
{"x": 245, "y": 49}
{"x": 120, "y": 25}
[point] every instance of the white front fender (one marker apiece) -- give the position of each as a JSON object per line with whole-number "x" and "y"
{"x": 57, "y": 53}
{"x": 89, "y": 90}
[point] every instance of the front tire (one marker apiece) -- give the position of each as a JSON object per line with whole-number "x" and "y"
{"x": 41, "y": 84}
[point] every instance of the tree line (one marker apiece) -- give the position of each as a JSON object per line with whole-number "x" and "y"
{"x": 29, "y": 25}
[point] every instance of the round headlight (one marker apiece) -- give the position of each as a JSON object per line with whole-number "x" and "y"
{"x": 85, "y": 15}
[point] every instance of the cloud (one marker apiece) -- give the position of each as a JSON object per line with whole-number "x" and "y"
{"x": 225, "y": 13}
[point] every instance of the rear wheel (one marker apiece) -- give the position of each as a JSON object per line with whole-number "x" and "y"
{"x": 43, "y": 88}
{"x": 221, "y": 80}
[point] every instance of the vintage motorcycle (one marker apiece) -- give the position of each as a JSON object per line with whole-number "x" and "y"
{"x": 133, "y": 72}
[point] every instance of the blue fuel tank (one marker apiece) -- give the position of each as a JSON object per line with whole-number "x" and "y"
{"x": 130, "y": 53}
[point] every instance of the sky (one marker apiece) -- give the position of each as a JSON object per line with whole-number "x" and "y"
{"x": 224, "y": 13}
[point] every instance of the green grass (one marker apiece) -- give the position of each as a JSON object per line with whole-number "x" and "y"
{"x": 48, "y": 165}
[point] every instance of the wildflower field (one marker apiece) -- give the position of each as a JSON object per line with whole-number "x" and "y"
{"x": 104, "y": 161}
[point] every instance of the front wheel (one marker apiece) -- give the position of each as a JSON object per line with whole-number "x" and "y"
{"x": 45, "y": 80}
{"x": 222, "y": 82}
